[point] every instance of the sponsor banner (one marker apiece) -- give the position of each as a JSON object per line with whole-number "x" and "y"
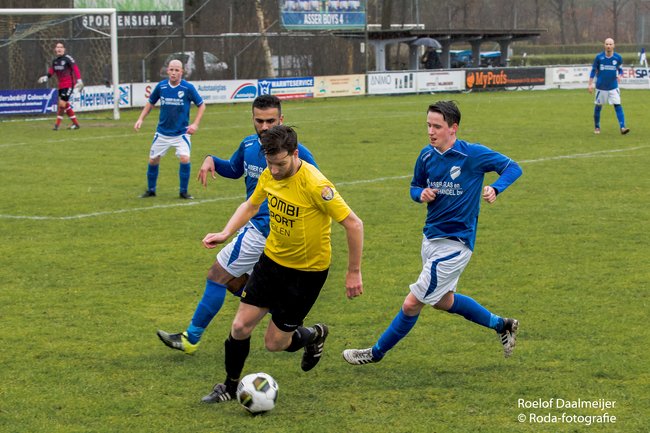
{"x": 33, "y": 101}
{"x": 226, "y": 91}
{"x": 570, "y": 75}
{"x": 323, "y": 15}
{"x": 133, "y": 20}
{"x": 391, "y": 82}
{"x": 94, "y": 98}
{"x": 140, "y": 93}
{"x": 340, "y": 85}
{"x": 287, "y": 88}
{"x": 635, "y": 78}
{"x": 134, "y": 14}
{"x": 212, "y": 92}
{"x": 440, "y": 81}
{"x": 494, "y": 78}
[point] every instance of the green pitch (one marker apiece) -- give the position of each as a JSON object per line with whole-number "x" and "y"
{"x": 89, "y": 272}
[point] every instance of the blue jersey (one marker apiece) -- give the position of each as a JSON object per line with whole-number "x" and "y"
{"x": 249, "y": 161}
{"x": 175, "y": 102}
{"x": 606, "y": 70}
{"x": 458, "y": 176}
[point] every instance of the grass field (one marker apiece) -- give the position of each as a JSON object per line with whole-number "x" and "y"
{"x": 89, "y": 272}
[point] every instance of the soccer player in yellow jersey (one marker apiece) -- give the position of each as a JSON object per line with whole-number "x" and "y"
{"x": 291, "y": 272}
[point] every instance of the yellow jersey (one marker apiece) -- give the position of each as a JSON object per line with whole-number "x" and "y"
{"x": 301, "y": 208}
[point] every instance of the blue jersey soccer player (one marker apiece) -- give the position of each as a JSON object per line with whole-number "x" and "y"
{"x": 236, "y": 260}
{"x": 448, "y": 176}
{"x": 607, "y": 69}
{"x": 174, "y": 129}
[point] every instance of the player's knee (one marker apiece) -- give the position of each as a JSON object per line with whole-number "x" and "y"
{"x": 274, "y": 344}
{"x": 240, "y": 330}
{"x": 218, "y": 274}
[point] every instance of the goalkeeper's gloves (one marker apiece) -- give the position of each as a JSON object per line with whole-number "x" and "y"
{"x": 79, "y": 86}
{"x": 43, "y": 79}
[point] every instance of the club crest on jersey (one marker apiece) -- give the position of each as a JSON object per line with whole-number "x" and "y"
{"x": 181, "y": 93}
{"x": 454, "y": 172}
{"x": 327, "y": 193}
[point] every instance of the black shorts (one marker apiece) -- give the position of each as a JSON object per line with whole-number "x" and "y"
{"x": 65, "y": 94}
{"x": 288, "y": 293}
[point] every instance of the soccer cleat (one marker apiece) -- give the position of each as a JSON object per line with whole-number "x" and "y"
{"x": 219, "y": 394}
{"x": 314, "y": 351}
{"x": 508, "y": 336}
{"x": 185, "y": 196}
{"x": 178, "y": 342}
{"x": 359, "y": 356}
{"x": 148, "y": 193}
{"x": 625, "y": 131}
{"x": 55, "y": 128}
{"x": 74, "y": 126}
{"x": 597, "y": 131}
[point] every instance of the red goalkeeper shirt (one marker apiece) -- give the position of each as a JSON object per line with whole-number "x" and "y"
{"x": 66, "y": 71}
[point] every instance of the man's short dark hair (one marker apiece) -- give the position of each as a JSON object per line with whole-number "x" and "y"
{"x": 449, "y": 111}
{"x": 278, "y": 139}
{"x": 264, "y": 102}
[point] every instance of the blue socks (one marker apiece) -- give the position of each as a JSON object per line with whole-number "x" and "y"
{"x": 152, "y": 176}
{"x": 597, "y": 110}
{"x": 475, "y": 312}
{"x": 620, "y": 115}
{"x": 398, "y": 328}
{"x": 184, "y": 175}
{"x": 209, "y": 306}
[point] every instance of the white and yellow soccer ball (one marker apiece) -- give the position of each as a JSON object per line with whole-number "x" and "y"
{"x": 257, "y": 392}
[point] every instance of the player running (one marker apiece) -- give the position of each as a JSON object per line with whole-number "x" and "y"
{"x": 235, "y": 261}
{"x": 69, "y": 77}
{"x": 448, "y": 177}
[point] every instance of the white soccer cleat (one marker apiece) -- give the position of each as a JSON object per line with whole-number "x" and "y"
{"x": 359, "y": 356}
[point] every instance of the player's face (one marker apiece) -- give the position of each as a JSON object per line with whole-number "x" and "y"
{"x": 175, "y": 72}
{"x": 263, "y": 120}
{"x": 59, "y": 49}
{"x": 441, "y": 135}
{"x": 283, "y": 165}
{"x": 609, "y": 46}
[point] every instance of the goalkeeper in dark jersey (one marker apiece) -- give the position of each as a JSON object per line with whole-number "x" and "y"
{"x": 69, "y": 77}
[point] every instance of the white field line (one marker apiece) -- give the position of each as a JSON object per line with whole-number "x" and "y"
{"x": 600, "y": 153}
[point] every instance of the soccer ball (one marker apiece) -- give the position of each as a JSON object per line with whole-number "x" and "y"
{"x": 257, "y": 392}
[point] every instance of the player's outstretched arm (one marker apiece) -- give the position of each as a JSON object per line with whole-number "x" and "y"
{"x": 242, "y": 215}
{"x": 354, "y": 232}
{"x": 206, "y": 168}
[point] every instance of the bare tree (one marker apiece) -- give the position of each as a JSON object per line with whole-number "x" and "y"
{"x": 265, "y": 41}
{"x": 615, "y": 8}
{"x": 558, "y": 8}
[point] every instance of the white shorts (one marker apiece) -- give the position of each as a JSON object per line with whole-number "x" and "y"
{"x": 443, "y": 261}
{"x": 162, "y": 143}
{"x": 611, "y": 97}
{"x": 241, "y": 254}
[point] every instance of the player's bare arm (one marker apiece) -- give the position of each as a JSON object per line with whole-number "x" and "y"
{"x": 195, "y": 125}
{"x": 145, "y": 111}
{"x": 354, "y": 232}
{"x": 206, "y": 167}
{"x": 242, "y": 215}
